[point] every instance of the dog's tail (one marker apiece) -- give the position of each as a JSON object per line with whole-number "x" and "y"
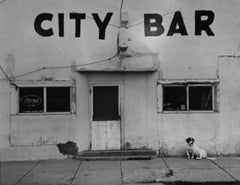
{"x": 211, "y": 158}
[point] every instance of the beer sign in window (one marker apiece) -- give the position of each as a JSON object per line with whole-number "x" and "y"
{"x": 31, "y": 100}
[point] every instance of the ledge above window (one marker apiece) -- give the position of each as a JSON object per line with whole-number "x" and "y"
{"x": 188, "y": 81}
{"x": 118, "y": 70}
{"x": 44, "y": 83}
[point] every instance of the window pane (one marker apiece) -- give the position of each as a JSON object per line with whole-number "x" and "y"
{"x": 105, "y": 103}
{"x": 174, "y": 98}
{"x": 31, "y": 100}
{"x": 58, "y": 99}
{"x": 200, "y": 98}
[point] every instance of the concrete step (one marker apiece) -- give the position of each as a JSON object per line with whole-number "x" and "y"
{"x": 145, "y": 154}
{"x": 98, "y": 158}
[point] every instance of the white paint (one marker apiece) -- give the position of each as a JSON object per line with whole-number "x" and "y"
{"x": 105, "y": 135}
{"x": 39, "y": 130}
{"x": 143, "y": 123}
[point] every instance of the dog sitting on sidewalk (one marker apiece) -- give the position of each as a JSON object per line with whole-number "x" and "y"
{"x": 195, "y": 152}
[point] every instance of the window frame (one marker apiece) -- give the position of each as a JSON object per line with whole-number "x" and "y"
{"x": 187, "y": 84}
{"x": 72, "y": 99}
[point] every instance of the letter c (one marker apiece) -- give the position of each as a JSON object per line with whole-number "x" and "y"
{"x": 38, "y": 24}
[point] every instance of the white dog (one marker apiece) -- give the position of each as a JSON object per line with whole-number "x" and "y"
{"x": 194, "y": 151}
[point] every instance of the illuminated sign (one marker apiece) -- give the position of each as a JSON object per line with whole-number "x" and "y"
{"x": 152, "y": 24}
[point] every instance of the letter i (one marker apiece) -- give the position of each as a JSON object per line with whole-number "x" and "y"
{"x": 61, "y": 24}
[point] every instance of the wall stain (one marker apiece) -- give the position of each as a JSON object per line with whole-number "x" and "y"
{"x": 10, "y": 63}
{"x": 215, "y": 145}
{"x": 163, "y": 149}
{"x": 229, "y": 56}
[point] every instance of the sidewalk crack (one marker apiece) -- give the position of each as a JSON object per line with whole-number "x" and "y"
{"x": 27, "y": 172}
{"x": 170, "y": 171}
{"x": 74, "y": 176}
{"x": 224, "y": 170}
{"x": 121, "y": 172}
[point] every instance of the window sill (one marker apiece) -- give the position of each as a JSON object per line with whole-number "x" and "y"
{"x": 189, "y": 112}
{"x": 42, "y": 113}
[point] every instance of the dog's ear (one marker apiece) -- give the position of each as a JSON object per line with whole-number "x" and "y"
{"x": 189, "y": 139}
{"x": 193, "y": 140}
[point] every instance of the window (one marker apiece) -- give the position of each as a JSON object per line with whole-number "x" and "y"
{"x": 105, "y": 103}
{"x": 58, "y": 99}
{"x": 188, "y": 97}
{"x": 200, "y": 98}
{"x": 31, "y": 99}
{"x": 174, "y": 98}
{"x": 44, "y": 99}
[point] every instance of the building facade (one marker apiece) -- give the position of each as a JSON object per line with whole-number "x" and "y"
{"x": 118, "y": 75}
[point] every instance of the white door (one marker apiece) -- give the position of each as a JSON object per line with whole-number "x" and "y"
{"x": 105, "y": 119}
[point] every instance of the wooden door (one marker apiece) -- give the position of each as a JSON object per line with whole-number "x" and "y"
{"x": 105, "y": 124}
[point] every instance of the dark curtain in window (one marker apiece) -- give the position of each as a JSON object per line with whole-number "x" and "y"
{"x": 174, "y": 98}
{"x": 58, "y": 99}
{"x": 200, "y": 98}
{"x": 105, "y": 103}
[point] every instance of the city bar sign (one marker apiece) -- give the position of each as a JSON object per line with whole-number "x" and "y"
{"x": 152, "y": 24}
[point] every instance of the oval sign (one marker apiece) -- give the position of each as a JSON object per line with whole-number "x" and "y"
{"x": 31, "y": 101}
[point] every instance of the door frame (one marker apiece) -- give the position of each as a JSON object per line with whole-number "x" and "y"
{"x": 120, "y": 108}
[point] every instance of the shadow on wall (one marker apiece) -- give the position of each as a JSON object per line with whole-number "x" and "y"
{"x": 68, "y": 148}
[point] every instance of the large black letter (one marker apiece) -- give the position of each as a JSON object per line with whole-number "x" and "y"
{"x": 156, "y": 24}
{"x": 38, "y": 22}
{"x": 77, "y": 17}
{"x": 201, "y": 25}
{"x": 177, "y": 20}
{"x": 61, "y": 24}
{"x": 102, "y": 24}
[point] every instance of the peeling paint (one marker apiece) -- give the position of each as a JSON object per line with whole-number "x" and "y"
{"x": 163, "y": 149}
{"x": 143, "y": 54}
{"x": 45, "y": 78}
{"x": 229, "y": 56}
{"x": 214, "y": 140}
{"x": 68, "y": 148}
{"x": 10, "y": 62}
{"x": 9, "y": 139}
{"x": 127, "y": 146}
{"x": 105, "y": 135}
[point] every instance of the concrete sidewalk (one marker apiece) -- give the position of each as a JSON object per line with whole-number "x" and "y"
{"x": 225, "y": 170}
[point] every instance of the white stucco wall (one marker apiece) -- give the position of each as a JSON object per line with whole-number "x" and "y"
{"x": 5, "y": 115}
{"x": 229, "y": 141}
{"x": 138, "y": 117}
{"x": 177, "y": 57}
